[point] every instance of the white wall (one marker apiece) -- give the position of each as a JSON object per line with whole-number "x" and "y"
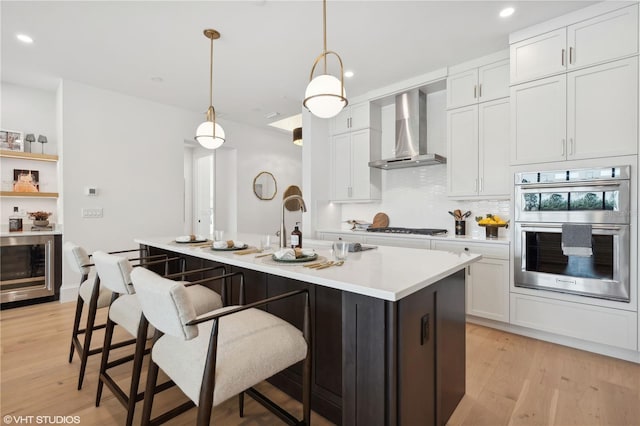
{"x": 132, "y": 151}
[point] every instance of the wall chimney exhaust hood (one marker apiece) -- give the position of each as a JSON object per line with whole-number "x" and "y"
{"x": 411, "y": 134}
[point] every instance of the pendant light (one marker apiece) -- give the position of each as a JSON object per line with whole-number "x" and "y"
{"x": 209, "y": 133}
{"x": 297, "y": 136}
{"x": 325, "y": 96}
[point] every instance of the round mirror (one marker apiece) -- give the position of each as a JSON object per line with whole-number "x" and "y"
{"x": 264, "y": 186}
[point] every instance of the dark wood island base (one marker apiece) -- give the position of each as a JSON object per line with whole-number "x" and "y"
{"x": 375, "y": 361}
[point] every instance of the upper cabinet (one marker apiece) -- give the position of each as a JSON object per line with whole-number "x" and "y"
{"x": 603, "y": 38}
{"x": 356, "y": 117}
{"x": 479, "y": 84}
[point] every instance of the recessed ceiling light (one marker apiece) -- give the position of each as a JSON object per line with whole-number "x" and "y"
{"x": 348, "y": 74}
{"x": 24, "y": 38}
{"x": 157, "y": 79}
{"x": 272, "y": 114}
{"x": 507, "y": 12}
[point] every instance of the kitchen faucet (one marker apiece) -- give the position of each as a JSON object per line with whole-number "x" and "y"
{"x": 303, "y": 207}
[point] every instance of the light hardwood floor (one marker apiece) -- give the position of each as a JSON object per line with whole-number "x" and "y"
{"x": 511, "y": 380}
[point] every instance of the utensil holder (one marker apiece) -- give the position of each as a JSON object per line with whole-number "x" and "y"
{"x": 461, "y": 227}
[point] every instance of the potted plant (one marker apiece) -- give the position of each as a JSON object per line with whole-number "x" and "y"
{"x": 40, "y": 218}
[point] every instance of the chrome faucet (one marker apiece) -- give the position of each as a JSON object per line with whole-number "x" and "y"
{"x": 283, "y": 233}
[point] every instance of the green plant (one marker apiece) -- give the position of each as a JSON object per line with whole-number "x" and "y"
{"x": 39, "y": 215}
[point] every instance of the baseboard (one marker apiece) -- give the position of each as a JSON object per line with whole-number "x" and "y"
{"x": 624, "y": 354}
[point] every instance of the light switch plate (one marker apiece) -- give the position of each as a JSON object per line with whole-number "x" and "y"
{"x": 94, "y": 213}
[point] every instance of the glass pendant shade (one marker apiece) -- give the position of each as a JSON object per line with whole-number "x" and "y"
{"x": 323, "y": 97}
{"x": 205, "y": 135}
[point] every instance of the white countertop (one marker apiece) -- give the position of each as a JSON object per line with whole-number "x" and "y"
{"x": 388, "y": 273}
{"x": 448, "y": 237}
{"x": 4, "y": 231}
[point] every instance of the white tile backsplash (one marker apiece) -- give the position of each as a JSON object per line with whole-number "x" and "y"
{"x": 416, "y": 197}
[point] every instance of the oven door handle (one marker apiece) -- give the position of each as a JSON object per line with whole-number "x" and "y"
{"x": 559, "y": 225}
{"x": 583, "y": 184}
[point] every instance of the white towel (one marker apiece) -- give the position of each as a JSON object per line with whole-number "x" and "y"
{"x": 308, "y": 252}
{"x": 285, "y": 254}
{"x": 220, "y": 244}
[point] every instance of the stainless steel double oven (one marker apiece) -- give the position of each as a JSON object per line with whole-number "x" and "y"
{"x": 546, "y": 200}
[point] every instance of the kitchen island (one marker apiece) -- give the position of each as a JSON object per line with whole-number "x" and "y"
{"x": 388, "y": 327}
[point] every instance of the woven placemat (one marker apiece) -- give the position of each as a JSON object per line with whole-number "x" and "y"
{"x": 269, "y": 261}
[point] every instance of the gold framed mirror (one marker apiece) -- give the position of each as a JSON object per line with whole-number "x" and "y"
{"x": 265, "y": 186}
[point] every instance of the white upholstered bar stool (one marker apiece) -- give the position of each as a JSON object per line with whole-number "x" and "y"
{"x": 215, "y": 356}
{"x": 125, "y": 310}
{"x": 92, "y": 294}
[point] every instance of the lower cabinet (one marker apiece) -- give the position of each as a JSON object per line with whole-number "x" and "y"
{"x": 614, "y": 327}
{"x": 487, "y": 281}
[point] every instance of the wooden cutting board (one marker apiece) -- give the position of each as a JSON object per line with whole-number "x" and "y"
{"x": 380, "y": 220}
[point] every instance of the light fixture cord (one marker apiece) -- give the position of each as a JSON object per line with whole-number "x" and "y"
{"x": 324, "y": 32}
{"x": 211, "y": 75}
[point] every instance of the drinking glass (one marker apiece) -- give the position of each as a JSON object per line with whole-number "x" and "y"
{"x": 265, "y": 242}
{"x": 218, "y": 235}
{"x": 340, "y": 250}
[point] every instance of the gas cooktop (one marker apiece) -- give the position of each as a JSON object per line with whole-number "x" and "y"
{"x": 420, "y": 231}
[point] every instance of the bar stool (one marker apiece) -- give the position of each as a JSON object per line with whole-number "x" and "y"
{"x": 125, "y": 311}
{"x": 89, "y": 292}
{"x": 224, "y": 353}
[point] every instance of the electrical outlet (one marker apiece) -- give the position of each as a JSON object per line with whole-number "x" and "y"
{"x": 92, "y": 213}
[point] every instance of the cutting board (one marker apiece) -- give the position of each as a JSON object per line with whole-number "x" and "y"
{"x": 380, "y": 220}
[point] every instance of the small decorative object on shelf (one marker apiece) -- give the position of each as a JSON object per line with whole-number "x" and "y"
{"x": 42, "y": 139}
{"x": 40, "y": 218}
{"x": 30, "y": 138}
{"x": 15, "y": 221}
{"x": 491, "y": 223}
{"x": 11, "y": 140}
{"x": 26, "y": 180}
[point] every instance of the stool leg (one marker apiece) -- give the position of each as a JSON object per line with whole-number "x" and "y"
{"x": 241, "y": 403}
{"x": 76, "y": 326}
{"x": 150, "y": 390}
{"x": 138, "y": 357}
{"x": 108, "y": 337}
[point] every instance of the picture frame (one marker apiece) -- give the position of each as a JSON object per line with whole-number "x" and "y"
{"x": 26, "y": 180}
{"x": 11, "y": 140}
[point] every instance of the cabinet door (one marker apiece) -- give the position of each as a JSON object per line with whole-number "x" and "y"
{"x": 493, "y": 148}
{"x": 462, "y": 151}
{"x": 360, "y": 170}
{"x": 538, "y": 121}
{"x": 603, "y": 38}
{"x": 493, "y": 81}
{"x": 340, "y": 166}
{"x": 602, "y": 110}
{"x": 340, "y": 123}
{"x": 488, "y": 289}
{"x": 462, "y": 89}
{"x": 538, "y": 56}
{"x": 359, "y": 116}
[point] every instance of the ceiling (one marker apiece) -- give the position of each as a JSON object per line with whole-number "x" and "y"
{"x": 263, "y": 59}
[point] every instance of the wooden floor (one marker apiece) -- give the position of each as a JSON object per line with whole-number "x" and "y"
{"x": 511, "y": 380}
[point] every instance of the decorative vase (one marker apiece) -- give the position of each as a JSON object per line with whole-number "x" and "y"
{"x": 41, "y": 223}
{"x": 491, "y": 231}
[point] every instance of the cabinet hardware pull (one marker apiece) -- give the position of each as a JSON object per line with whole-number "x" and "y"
{"x": 475, "y": 91}
{"x": 564, "y": 147}
{"x": 571, "y": 55}
{"x": 570, "y": 146}
{"x": 562, "y": 57}
{"x": 469, "y": 270}
{"x": 479, "y": 90}
{"x": 475, "y": 185}
{"x": 481, "y": 185}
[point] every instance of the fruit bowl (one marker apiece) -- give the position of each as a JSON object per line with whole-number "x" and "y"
{"x": 491, "y": 223}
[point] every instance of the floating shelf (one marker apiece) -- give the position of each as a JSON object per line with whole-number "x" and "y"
{"x": 29, "y": 194}
{"x": 28, "y": 156}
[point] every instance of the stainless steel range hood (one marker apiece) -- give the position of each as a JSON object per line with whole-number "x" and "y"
{"x": 411, "y": 134}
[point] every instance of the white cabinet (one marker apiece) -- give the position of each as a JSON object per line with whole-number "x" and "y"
{"x": 355, "y": 117}
{"x": 538, "y": 121}
{"x": 478, "y": 150}
{"x": 602, "y": 110}
{"x": 615, "y": 327}
{"x": 588, "y": 113}
{"x": 397, "y": 242}
{"x": 344, "y": 236}
{"x": 603, "y": 38}
{"x": 351, "y": 177}
{"x": 487, "y": 281}
{"x": 478, "y": 85}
